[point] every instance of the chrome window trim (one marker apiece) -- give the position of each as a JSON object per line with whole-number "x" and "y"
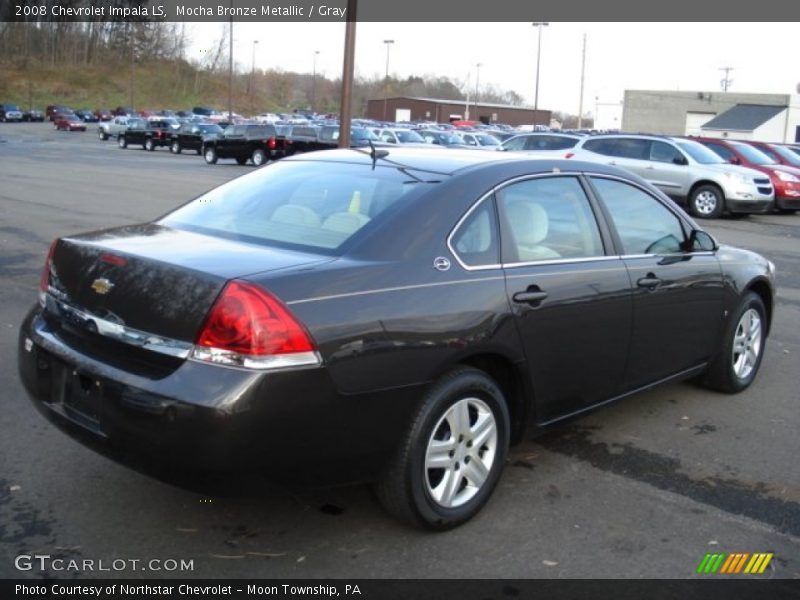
{"x": 491, "y": 192}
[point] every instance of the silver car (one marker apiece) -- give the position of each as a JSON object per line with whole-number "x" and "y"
{"x": 113, "y": 128}
{"x": 685, "y": 170}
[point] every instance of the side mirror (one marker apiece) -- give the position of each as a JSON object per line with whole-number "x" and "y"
{"x": 680, "y": 160}
{"x": 700, "y": 240}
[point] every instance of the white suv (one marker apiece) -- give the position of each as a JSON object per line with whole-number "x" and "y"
{"x": 683, "y": 169}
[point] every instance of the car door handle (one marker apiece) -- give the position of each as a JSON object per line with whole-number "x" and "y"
{"x": 613, "y": 163}
{"x": 530, "y": 297}
{"x": 649, "y": 168}
{"x": 650, "y": 282}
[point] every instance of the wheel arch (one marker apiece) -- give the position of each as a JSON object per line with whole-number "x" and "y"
{"x": 510, "y": 377}
{"x": 764, "y": 291}
{"x": 703, "y": 182}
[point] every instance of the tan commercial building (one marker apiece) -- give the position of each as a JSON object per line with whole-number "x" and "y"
{"x": 762, "y": 117}
{"x": 406, "y": 108}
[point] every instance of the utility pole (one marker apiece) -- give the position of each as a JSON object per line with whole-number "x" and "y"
{"x": 133, "y": 65}
{"x": 386, "y": 77}
{"x": 346, "y": 116}
{"x": 726, "y": 81}
{"x": 583, "y": 76}
{"x": 230, "y": 67}
{"x": 539, "y": 27}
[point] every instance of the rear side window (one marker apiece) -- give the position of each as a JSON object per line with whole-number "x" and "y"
{"x": 644, "y": 225}
{"x": 547, "y": 219}
{"x": 475, "y": 241}
{"x": 601, "y": 146}
{"x": 309, "y": 205}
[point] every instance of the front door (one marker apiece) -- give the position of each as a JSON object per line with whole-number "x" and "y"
{"x": 677, "y": 292}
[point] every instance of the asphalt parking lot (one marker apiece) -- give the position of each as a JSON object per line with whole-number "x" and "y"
{"x": 641, "y": 489}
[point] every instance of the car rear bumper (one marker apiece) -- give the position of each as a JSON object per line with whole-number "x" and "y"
{"x": 210, "y": 417}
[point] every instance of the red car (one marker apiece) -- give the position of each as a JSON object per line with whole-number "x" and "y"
{"x": 785, "y": 179}
{"x": 70, "y": 123}
{"x": 103, "y": 114}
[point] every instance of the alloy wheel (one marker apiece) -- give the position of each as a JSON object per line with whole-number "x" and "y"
{"x": 460, "y": 453}
{"x": 747, "y": 344}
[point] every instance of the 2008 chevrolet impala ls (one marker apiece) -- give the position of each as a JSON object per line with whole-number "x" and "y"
{"x": 398, "y": 317}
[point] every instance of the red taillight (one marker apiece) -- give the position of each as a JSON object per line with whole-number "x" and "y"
{"x": 569, "y": 155}
{"x": 113, "y": 259}
{"x": 271, "y": 144}
{"x": 247, "y": 320}
{"x": 44, "y": 282}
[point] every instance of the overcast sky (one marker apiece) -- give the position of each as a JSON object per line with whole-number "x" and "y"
{"x": 619, "y": 56}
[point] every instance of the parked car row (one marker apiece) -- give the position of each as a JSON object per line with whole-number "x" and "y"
{"x": 12, "y": 112}
{"x": 710, "y": 176}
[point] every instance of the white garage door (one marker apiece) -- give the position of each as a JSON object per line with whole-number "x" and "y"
{"x": 696, "y": 120}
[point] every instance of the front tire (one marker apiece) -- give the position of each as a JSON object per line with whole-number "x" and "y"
{"x": 210, "y": 154}
{"x": 123, "y": 143}
{"x": 175, "y": 148}
{"x": 452, "y": 455}
{"x": 103, "y": 135}
{"x": 736, "y": 365}
{"x": 707, "y": 202}
{"x": 149, "y": 145}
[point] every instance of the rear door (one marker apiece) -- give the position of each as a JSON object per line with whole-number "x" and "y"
{"x": 571, "y": 301}
{"x": 677, "y": 292}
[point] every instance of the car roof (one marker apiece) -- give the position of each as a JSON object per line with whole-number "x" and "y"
{"x": 450, "y": 162}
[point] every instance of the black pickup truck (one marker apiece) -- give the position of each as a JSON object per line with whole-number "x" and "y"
{"x": 190, "y": 136}
{"x": 150, "y": 134}
{"x": 258, "y": 143}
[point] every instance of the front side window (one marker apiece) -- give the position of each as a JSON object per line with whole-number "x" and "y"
{"x": 644, "y": 225}
{"x": 663, "y": 152}
{"x": 547, "y": 219}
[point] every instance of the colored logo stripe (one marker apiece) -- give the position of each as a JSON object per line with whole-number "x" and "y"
{"x": 735, "y": 563}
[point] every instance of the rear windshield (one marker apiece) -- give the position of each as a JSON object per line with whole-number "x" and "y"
{"x": 302, "y": 204}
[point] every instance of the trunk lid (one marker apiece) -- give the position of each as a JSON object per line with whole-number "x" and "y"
{"x": 156, "y": 279}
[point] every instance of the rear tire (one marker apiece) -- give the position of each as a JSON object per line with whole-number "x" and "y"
{"x": 707, "y": 202}
{"x": 736, "y": 365}
{"x": 452, "y": 454}
{"x": 210, "y": 154}
{"x": 175, "y": 148}
{"x": 149, "y": 145}
{"x": 259, "y": 157}
{"x": 123, "y": 143}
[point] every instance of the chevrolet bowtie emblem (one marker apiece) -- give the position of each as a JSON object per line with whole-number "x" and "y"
{"x": 102, "y": 286}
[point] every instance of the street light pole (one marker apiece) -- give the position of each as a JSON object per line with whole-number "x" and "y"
{"x": 250, "y": 85}
{"x": 314, "y": 81}
{"x": 386, "y": 78}
{"x": 539, "y": 27}
{"x": 583, "y": 77}
{"x": 477, "y": 84}
{"x": 133, "y": 66}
